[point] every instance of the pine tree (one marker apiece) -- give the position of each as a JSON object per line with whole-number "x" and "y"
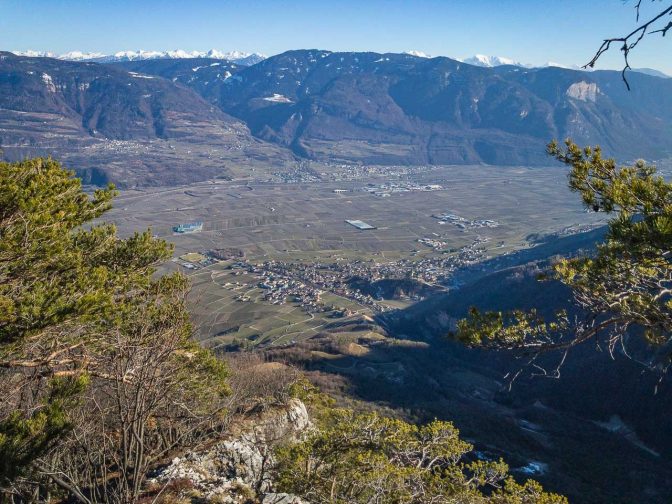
{"x": 94, "y": 346}
{"x": 365, "y": 457}
{"x": 625, "y": 287}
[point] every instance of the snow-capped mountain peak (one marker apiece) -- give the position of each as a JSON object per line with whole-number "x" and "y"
{"x": 495, "y": 61}
{"x": 134, "y": 55}
{"x": 239, "y": 57}
{"x": 555, "y": 64}
{"x": 70, "y": 56}
{"x": 419, "y": 54}
{"x": 80, "y": 56}
{"x": 491, "y": 61}
{"x": 242, "y": 58}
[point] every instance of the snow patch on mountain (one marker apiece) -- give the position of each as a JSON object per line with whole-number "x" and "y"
{"x": 554, "y": 64}
{"x": 239, "y": 57}
{"x": 140, "y": 76}
{"x": 81, "y": 56}
{"x": 278, "y": 98}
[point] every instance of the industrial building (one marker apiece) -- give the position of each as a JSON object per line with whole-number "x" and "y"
{"x": 190, "y": 227}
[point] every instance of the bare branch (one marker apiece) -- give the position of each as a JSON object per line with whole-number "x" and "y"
{"x": 632, "y": 39}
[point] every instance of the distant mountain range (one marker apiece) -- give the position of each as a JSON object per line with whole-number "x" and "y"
{"x": 482, "y": 60}
{"x": 241, "y": 58}
{"x": 652, "y": 71}
{"x": 349, "y": 107}
{"x": 495, "y": 61}
{"x": 405, "y": 109}
{"x": 248, "y": 59}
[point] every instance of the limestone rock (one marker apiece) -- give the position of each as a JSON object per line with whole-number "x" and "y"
{"x": 242, "y": 464}
{"x": 282, "y": 498}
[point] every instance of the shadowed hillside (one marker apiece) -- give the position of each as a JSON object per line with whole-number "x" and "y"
{"x": 578, "y": 427}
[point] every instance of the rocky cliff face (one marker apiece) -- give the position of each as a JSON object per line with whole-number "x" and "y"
{"x": 233, "y": 470}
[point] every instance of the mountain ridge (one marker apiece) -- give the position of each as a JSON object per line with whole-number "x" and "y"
{"x": 248, "y": 59}
{"x": 495, "y": 61}
{"x": 403, "y": 109}
{"x": 367, "y": 108}
{"x": 127, "y": 127}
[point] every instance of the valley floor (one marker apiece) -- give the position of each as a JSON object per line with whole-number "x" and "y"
{"x": 276, "y": 268}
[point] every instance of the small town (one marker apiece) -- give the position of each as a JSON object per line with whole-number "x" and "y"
{"x": 303, "y": 283}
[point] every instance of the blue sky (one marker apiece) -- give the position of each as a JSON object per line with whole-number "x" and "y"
{"x": 530, "y": 31}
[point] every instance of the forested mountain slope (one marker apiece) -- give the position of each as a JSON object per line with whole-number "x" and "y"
{"x": 399, "y": 108}
{"x": 112, "y": 124}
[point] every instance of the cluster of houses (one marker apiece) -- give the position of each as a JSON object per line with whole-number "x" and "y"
{"x": 438, "y": 270}
{"x": 278, "y": 288}
{"x": 434, "y": 243}
{"x": 462, "y": 223}
{"x": 302, "y": 174}
{"x": 304, "y": 282}
{"x": 387, "y": 189}
{"x": 341, "y": 171}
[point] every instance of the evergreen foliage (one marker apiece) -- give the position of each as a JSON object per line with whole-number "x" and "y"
{"x": 364, "y": 457}
{"x": 98, "y": 370}
{"x": 625, "y": 288}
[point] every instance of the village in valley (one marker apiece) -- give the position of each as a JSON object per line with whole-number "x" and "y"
{"x": 303, "y": 283}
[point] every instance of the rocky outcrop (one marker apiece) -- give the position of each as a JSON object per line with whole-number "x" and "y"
{"x": 235, "y": 468}
{"x": 282, "y": 498}
{"x": 583, "y": 91}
